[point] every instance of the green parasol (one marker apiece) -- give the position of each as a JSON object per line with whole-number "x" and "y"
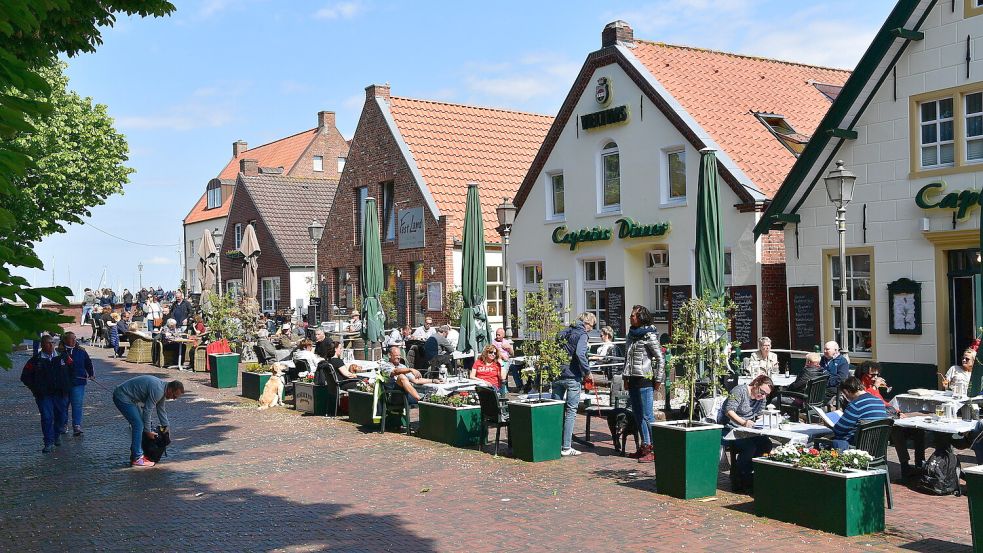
{"x": 373, "y": 316}
{"x": 474, "y": 320}
{"x": 709, "y": 252}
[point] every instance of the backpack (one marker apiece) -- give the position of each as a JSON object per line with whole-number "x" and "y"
{"x": 940, "y": 475}
{"x": 155, "y": 449}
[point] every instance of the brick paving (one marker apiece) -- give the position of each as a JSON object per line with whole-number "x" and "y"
{"x": 238, "y": 479}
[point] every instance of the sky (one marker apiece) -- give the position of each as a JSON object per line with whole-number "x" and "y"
{"x": 184, "y": 87}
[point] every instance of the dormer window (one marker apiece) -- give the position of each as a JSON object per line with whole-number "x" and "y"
{"x": 784, "y": 132}
{"x": 213, "y": 195}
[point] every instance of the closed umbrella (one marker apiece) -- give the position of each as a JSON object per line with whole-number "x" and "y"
{"x": 974, "y": 381}
{"x": 207, "y": 257}
{"x": 474, "y": 319}
{"x": 250, "y": 252}
{"x": 373, "y": 316}
{"x": 709, "y": 253}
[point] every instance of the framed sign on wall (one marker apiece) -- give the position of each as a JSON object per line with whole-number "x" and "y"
{"x": 904, "y": 298}
{"x": 435, "y": 296}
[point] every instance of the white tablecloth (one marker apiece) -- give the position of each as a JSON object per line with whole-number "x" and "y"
{"x": 778, "y": 379}
{"x": 452, "y": 385}
{"x": 796, "y": 433}
{"x": 911, "y": 403}
{"x": 931, "y": 424}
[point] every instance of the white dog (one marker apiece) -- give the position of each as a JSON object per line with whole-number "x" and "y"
{"x": 273, "y": 391}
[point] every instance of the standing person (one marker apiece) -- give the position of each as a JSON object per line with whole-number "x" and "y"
{"x": 105, "y": 300}
{"x": 572, "y": 373}
{"x": 743, "y": 405}
{"x": 155, "y": 314}
{"x": 836, "y": 366}
{"x": 80, "y": 365}
{"x": 645, "y": 370}
{"x": 488, "y": 368}
{"x": 181, "y": 310}
{"x": 143, "y": 296}
{"x": 88, "y": 300}
{"x": 323, "y": 346}
{"x": 962, "y": 373}
{"x": 505, "y": 352}
{"x": 764, "y": 361}
{"x": 50, "y": 380}
{"x": 127, "y": 300}
{"x": 136, "y": 399}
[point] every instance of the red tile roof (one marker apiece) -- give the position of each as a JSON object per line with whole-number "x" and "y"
{"x": 720, "y": 90}
{"x": 455, "y": 144}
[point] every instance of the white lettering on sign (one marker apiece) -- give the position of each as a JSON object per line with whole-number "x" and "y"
{"x": 411, "y": 228}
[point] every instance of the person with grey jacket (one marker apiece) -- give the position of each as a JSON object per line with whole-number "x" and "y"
{"x": 645, "y": 370}
{"x": 136, "y": 399}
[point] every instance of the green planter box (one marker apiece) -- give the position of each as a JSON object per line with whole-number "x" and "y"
{"x": 456, "y": 426}
{"x": 312, "y": 398}
{"x": 844, "y": 503}
{"x": 687, "y": 458}
{"x": 224, "y": 370}
{"x": 360, "y": 411}
{"x": 253, "y": 384}
{"x": 536, "y": 430}
{"x": 974, "y": 492}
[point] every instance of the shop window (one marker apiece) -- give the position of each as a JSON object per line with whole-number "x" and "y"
{"x": 495, "y": 291}
{"x": 270, "y": 294}
{"x": 233, "y": 287}
{"x": 556, "y": 206}
{"x": 341, "y": 287}
{"x": 318, "y": 163}
{"x": 213, "y": 195}
{"x": 674, "y": 191}
{"x": 595, "y": 289}
{"x": 783, "y": 131}
{"x": 859, "y": 303}
{"x": 389, "y": 211}
{"x": 610, "y": 178}
{"x": 937, "y": 145}
{"x": 361, "y": 194}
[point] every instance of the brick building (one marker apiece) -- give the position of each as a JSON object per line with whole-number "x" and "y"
{"x": 416, "y": 158}
{"x": 315, "y": 153}
{"x": 619, "y": 172}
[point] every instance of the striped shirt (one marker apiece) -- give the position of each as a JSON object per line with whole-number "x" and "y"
{"x": 865, "y": 407}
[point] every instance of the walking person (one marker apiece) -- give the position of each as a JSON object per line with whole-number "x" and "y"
{"x": 49, "y": 379}
{"x": 80, "y": 365}
{"x": 136, "y": 399}
{"x": 574, "y": 341}
{"x": 88, "y": 300}
{"x": 127, "y": 300}
{"x": 155, "y": 314}
{"x": 645, "y": 370}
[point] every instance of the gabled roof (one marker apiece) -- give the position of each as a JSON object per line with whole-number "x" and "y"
{"x": 277, "y": 197}
{"x": 453, "y": 144}
{"x": 851, "y": 102}
{"x": 284, "y": 152}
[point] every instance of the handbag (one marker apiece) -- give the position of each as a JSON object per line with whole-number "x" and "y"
{"x": 158, "y": 322}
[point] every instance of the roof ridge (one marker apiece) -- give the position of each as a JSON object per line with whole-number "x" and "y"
{"x": 472, "y": 106}
{"x": 747, "y": 56}
{"x": 278, "y": 140}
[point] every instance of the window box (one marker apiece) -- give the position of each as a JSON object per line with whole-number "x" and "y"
{"x": 456, "y": 426}
{"x": 687, "y": 458}
{"x": 536, "y": 429}
{"x": 224, "y": 370}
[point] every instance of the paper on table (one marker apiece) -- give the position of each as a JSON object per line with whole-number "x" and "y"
{"x": 829, "y": 419}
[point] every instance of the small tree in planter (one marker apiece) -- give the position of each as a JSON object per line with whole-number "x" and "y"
{"x": 227, "y": 317}
{"x": 699, "y": 345}
{"x": 543, "y": 324}
{"x": 455, "y": 303}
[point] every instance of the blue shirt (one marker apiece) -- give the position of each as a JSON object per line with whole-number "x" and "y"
{"x": 837, "y": 368}
{"x": 865, "y": 407}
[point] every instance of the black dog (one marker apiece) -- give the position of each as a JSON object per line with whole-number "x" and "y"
{"x": 621, "y": 423}
{"x": 155, "y": 449}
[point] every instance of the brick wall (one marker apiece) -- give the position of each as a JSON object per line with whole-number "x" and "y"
{"x": 375, "y": 158}
{"x": 328, "y": 143}
{"x": 774, "y": 297}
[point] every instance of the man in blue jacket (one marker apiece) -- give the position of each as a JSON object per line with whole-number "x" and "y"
{"x": 80, "y": 365}
{"x": 837, "y": 367}
{"x": 50, "y": 380}
{"x": 574, "y": 341}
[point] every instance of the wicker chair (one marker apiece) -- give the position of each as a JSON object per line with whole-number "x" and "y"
{"x": 163, "y": 357}
{"x": 199, "y": 363}
{"x": 140, "y": 350}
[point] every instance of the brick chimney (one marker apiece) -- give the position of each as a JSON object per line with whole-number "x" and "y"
{"x": 249, "y": 167}
{"x": 238, "y": 147}
{"x": 325, "y": 119}
{"x": 615, "y": 32}
{"x": 377, "y": 91}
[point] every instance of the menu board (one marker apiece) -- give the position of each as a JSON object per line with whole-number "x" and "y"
{"x": 314, "y": 314}
{"x": 616, "y": 310}
{"x": 803, "y": 316}
{"x": 744, "y": 325}
{"x": 677, "y": 297}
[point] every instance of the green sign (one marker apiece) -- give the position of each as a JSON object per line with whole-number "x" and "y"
{"x": 627, "y": 228}
{"x": 930, "y": 197}
{"x": 602, "y": 118}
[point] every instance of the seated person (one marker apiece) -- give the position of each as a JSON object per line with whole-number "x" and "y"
{"x": 488, "y": 368}
{"x": 860, "y": 406}
{"x": 299, "y": 331}
{"x": 436, "y": 345}
{"x": 347, "y": 373}
{"x": 743, "y": 405}
{"x": 263, "y": 342}
{"x": 284, "y": 337}
{"x": 323, "y": 346}
{"x": 426, "y": 331}
{"x": 764, "y": 361}
{"x": 960, "y": 375}
{"x": 355, "y": 322}
{"x": 398, "y": 336}
{"x": 837, "y": 368}
{"x": 400, "y": 376}
{"x": 810, "y": 371}
{"x": 305, "y": 352}
{"x": 170, "y": 332}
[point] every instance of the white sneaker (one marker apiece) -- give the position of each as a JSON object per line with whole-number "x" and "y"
{"x": 569, "y": 451}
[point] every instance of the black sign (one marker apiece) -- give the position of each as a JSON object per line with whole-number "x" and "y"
{"x": 616, "y": 310}
{"x": 677, "y": 297}
{"x": 314, "y": 314}
{"x": 401, "y": 303}
{"x": 602, "y": 118}
{"x": 803, "y": 315}
{"x": 744, "y": 326}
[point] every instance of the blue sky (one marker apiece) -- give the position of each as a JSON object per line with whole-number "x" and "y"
{"x": 183, "y": 88}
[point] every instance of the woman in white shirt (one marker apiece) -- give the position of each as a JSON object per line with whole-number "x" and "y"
{"x": 305, "y": 351}
{"x": 154, "y": 312}
{"x": 960, "y": 374}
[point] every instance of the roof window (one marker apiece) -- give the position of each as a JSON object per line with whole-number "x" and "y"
{"x": 779, "y": 127}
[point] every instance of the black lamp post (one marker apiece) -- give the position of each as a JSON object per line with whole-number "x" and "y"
{"x": 506, "y": 217}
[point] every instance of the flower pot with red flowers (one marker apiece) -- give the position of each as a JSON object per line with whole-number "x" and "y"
{"x": 311, "y": 398}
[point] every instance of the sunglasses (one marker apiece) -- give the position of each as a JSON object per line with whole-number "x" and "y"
{"x": 966, "y": 359}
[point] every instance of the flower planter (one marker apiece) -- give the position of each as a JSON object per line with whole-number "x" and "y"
{"x": 456, "y": 426}
{"x": 845, "y": 503}
{"x": 224, "y": 370}
{"x": 536, "y": 430}
{"x": 974, "y": 491}
{"x": 311, "y": 398}
{"x": 360, "y": 407}
{"x": 253, "y": 384}
{"x": 687, "y": 458}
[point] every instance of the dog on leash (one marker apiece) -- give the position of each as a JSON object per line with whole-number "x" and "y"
{"x": 273, "y": 391}
{"x": 621, "y": 423}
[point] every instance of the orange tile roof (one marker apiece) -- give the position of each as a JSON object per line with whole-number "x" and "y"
{"x": 720, "y": 90}
{"x": 455, "y": 144}
{"x": 280, "y": 153}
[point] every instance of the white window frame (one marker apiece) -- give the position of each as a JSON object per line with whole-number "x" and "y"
{"x": 528, "y": 286}
{"x": 237, "y": 236}
{"x": 606, "y": 152}
{"x": 551, "y": 213}
{"x": 595, "y": 287}
{"x": 269, "y": 293}
{"x": 966, "y": 116}
{"x": 213, "y": 196}
{"x": 388, "y": 211}
{"x": 317, "y": 163}
{"x": 361, "y": 195}
{"x": 494, "y": 291}
{"x": 658, "y": 280}
{"x": 852, "y": 304}
{"x": 937, "y": 124}
{"x": 728, "y": 268}
{"x": 234, "y": 287}
{"x": 341, "y": 164}
{"x": 667, "y": 200}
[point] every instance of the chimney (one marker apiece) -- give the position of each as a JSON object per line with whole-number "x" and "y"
{"x": 249, "y": 167}
{"x": 238, "y": 147}
{"x": 615, "y": 32}
{"x": 377, "y": 91}
{"x": 325, "y": 119}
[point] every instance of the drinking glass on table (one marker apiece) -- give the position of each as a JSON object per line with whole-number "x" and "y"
{"x": 939, "y": 410}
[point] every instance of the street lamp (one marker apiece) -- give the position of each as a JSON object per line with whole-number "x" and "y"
{"x": 839, "y": 187}
{"x": 140, "y": 270}
{"x": 217, "y": 239}
{"x": 506, "y": 217}
{"x": 315, "y": 230}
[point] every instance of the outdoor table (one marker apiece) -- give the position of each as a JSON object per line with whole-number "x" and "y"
{"x": 365, "y": 364}
{"x": 180, "y": 352}
{"x": 796, "y": 433}
{"x": 367, "y": 375}
{"x": 462, "y": 354}
{"x": 780, "y": 380}
{"x": 931, "y": 423}
{"x": 451, "y": 385}
{"x": 917, "y": 403}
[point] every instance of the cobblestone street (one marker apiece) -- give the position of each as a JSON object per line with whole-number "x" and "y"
{"x": 238, "y": 479}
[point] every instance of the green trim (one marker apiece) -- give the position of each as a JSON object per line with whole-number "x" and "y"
{"x": 908, "y": 34}
{"x": 842, "y": 133}
{"x": 788, "y": 217}
{"x": 850, "y": 93}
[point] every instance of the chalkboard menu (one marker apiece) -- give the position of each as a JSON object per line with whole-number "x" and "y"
{"x": 616, "y": 310}
{"x": 803, "y": 315}
{"x": 677, "y": 297}
{"x": 744, "y": 325}
{"x": 400, "y": 303}
{"x": 314, "y": 313}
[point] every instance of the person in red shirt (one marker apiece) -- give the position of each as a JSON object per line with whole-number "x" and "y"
{"x": 488, "y": 368}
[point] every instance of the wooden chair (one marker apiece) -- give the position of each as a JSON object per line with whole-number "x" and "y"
{"x": 492, "y": 414}
{"x": 872, "y": 437}
{"x": 813, "y": 396}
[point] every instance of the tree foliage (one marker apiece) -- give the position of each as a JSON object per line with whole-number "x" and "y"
{"x": 32, "y": 34}
{"x": 544, "y": 321}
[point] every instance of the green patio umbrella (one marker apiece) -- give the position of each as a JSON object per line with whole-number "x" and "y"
{"x": 373, "y": 316}
{"x": 974, "y": 381}
{"x": 709, "y": 252}
{"x": 474, "y": 320}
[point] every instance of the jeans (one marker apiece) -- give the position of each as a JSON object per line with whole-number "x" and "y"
{"x": 899, "y": 436}
{"x": 133, "y": 416}
{"x": 86, "y": 312}
{"x": 515, "y": 371}
{"x": 150, "y": 325}
{"x": 840, "y": 445}
{"x": 641, "y": 408}
{"x": 53, "y": 415}
{"x": 127, "y": 307}
{"x": 747, "y": 449}
{"x": 569, "y": 389}
{"x": 77, "y": 399}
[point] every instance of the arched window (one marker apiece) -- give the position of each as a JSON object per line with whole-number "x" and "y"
{"x": 610, "y": 178}
{"x": 214, "y": 194}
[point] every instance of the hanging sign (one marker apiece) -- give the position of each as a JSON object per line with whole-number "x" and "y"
{"x": 411, "y": 229}
{"x": 930, "y": 197}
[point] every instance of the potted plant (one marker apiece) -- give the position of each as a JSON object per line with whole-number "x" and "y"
{"x": 453, "y": 420}
{"x": 311, "y": 398}
{"x": 820, "y": 489}
{"x": 536, "y": 425}
{"x": 365, "y": 402}
{"x": 687, "y": 452}
{"x": 254, "y": 379}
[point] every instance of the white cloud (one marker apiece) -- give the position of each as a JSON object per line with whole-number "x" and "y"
{"x": 209, "y": 8}
{"x": 179, "y": 118}
{"x": 820, "y": 42}
{"x": 340, "y": 10}
{"x": 159, "y": 260}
